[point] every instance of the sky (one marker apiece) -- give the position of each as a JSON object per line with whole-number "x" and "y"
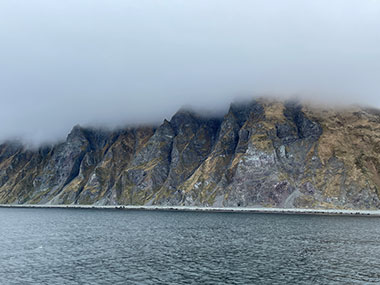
{"x": 118, "y": 62}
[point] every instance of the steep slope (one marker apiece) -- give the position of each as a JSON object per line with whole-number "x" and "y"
{"x": 261, "y": 153}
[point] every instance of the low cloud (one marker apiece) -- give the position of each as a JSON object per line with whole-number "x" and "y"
{"x": 120, "y": 62}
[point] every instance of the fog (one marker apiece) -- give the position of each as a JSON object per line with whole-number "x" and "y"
{"x": 118, "y": 62}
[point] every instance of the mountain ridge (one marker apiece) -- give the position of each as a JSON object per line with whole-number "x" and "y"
{"x": 260, "y": 153}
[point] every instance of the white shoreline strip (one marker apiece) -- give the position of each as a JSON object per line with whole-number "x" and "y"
{"x": 339, "y": 212}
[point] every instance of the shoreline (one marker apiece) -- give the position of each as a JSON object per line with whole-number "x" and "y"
{"x": 258, "y": 210}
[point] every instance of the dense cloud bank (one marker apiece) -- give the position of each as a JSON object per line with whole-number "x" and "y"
{"x": 126, "y": 62}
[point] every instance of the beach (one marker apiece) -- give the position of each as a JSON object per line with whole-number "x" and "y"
{"x": 263, "y": 210}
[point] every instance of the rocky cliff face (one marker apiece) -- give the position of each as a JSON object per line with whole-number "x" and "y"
{"x": 261, "y": 153}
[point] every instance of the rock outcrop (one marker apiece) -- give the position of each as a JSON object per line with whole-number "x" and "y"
{"x": 261, "y": 153}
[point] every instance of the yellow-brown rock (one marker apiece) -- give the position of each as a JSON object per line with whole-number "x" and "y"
{"x": 261, "y": 153}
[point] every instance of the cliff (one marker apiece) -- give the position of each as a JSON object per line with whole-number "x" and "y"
{"x": 261, "y": 153}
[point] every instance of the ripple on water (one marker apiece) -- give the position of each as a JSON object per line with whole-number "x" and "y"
{"x": 71, "y": 246}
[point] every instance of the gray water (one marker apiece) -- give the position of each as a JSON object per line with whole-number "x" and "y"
{"x": 72, "y": 246}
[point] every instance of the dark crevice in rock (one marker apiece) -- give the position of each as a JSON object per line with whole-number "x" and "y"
{"x": 75, "y": 170}
{"x": 305, "y": 127}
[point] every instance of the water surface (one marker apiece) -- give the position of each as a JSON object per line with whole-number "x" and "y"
{"x": 74, "y": 246}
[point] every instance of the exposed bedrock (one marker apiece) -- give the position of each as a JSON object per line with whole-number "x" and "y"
{"x": 261, "y": 153}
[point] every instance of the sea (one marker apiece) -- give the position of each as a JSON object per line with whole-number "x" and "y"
{"x": 110, "y": 246}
